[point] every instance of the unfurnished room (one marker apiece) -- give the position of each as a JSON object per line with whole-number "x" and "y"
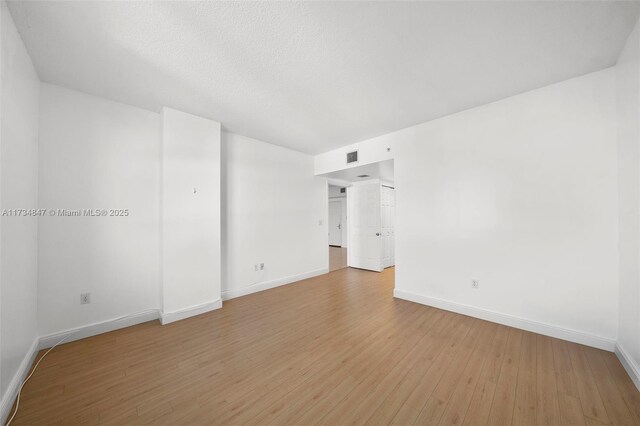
{"x": 320, "y": 212}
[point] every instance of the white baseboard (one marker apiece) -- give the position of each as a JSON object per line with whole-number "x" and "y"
{"x": 12, "y": 390}
{"x": 98, "y": 328}
{"x": 629, "y": 364}
{"x": 88, "y": 331}
{"x": 169, "y": 317}
{"x": 231, "y": 294}
{"x": 510, "y": 320}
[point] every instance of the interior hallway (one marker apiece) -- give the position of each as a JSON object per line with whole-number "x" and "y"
{"x": 336, "y": 348}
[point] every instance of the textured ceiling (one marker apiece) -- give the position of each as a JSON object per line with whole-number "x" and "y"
{"x": 315, "y": 76}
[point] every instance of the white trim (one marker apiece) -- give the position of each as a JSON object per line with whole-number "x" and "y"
{"x": 231, "y": 294}
{"x": 191, "y": 311}
{"x": 510, "y": 320}
{"x": 12, "y": 390}
{"x": 105, "y": 326}
{"x": 98, "y": 328}
{"x": 94, "y": 329}
{"x": 629, "y": 364}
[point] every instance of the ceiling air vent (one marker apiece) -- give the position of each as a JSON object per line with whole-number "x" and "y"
{"x": 352, "y": 157}
{"x": 363, "y": 176}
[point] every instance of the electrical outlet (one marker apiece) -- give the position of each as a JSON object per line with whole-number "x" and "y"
{"x": 475, "y": 284}
{"x": 262, "y": 266}
{"x": 256, "y": 267}
{"x": 85, "y": 298}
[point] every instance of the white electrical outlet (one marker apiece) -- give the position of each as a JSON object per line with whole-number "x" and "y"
{"x": 262, "y": 266}
{"x": 475, "y": 284}
{"x": 85, "y": 298}
{"x": 256, "y": 267}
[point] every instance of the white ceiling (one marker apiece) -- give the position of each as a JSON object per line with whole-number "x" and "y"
{"x": 313, "y": 76}
{"x": 382, "y": 170}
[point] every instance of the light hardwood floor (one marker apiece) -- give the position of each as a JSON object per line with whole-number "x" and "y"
{"x": 337, "y": 258}
{"x": 332, "y": 349}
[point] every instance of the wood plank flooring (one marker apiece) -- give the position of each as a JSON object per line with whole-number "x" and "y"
{"x": 334, "y": 349}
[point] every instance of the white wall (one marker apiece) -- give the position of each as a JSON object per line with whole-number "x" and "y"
{"x": 191, "y": 265}
{"x": 628, "y": 96}
{"x": 272, "y": 207}
{"x": 520, "y": 194}
{"x": 97, "y": 154}
{"x": 18, "y": 190}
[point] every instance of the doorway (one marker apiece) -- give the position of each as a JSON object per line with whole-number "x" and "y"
{"x": 367, "y": 202}
{"x": 337, "y": 223}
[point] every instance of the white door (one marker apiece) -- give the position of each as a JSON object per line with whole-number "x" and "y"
{"x": 335, "y": 223}
{"x": 365, "y": 249}
{"x": 388, "y": 209}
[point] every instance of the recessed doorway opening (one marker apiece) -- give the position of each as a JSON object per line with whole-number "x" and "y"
{"x": 338, "y": 227}
{"x": 362, "y": 217}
